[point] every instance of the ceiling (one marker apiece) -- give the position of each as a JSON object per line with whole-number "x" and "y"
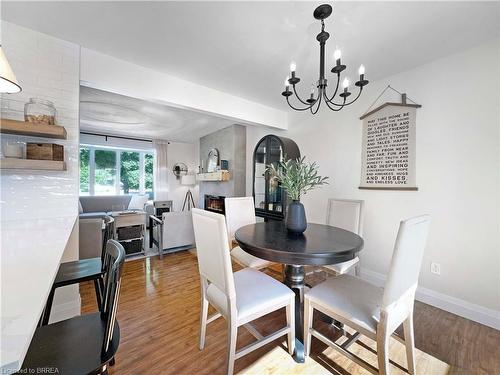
{"x": 104, "y": 112}
{"x": 244, "y": 48}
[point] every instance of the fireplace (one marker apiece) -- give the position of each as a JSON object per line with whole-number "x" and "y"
{"x": 215, "y": 203}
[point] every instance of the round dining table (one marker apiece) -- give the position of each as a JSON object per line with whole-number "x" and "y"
{"x": 318, "y": 245}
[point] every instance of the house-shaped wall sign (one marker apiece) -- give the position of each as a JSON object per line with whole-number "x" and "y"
{"x": 388, "y": 147}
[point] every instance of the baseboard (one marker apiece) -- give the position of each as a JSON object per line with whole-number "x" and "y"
{"x": 65, "y": 310}
{"x": 468, "y": 310}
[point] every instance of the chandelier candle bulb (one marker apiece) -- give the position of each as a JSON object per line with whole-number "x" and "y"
{"x": 336, "y": 55}
{"x": 362, "y": 81}
{"x": 345, "y": 84}
{"x": 293, "y": 66}
{"x": 287, "y": 91}
{"x": 361, "y": 72}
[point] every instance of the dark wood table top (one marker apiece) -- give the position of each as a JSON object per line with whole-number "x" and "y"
{"x": 318, "y": 245}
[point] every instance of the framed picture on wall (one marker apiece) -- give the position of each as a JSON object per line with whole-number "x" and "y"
{"x": 388, "y": 159}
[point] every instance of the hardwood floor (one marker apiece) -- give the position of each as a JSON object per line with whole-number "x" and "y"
{"x": 159, "y": 323}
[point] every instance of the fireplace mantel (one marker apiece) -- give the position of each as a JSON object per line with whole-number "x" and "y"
{"x": 214, "y": 176}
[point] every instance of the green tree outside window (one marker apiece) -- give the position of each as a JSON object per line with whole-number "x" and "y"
{"x": 105, "y": 172}
{"x": 129, "y": 172}
{"x": 148, "y": 174}
{"x": 84, "y": 170}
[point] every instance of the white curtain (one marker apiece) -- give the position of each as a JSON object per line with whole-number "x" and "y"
{"x": 160, "y": 170}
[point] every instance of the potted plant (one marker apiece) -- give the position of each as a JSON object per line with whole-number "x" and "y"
{"x": 297, "y": 177}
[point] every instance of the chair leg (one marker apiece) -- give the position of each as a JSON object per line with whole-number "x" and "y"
{"x": 98, "y": 293}
{"x": 48, "y": 307}
{"x": 232, "y": 331}
{"x": 357, "y": 270}
{"x": 203, "y": 321}
{"x": 101, "y": 286}
{"x": 410, "y": 344}
{"x": 308, "y": 320}
{"x": 383, "y": 351}
{"x": 290, "y": 321}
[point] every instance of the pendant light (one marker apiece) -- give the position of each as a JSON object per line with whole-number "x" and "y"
{"x": 8, "y": 81}
{"x": 319, "y": 89}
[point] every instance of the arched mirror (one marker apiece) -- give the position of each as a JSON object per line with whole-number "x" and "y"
{"x": 269, "y": 196}
{"x": 213, "y": 160}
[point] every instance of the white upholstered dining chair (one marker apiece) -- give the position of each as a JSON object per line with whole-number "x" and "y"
{"x": 345, "y": 214}
{"x": 240, "y": 212}
{"x": 372, "y": 311}
{"x": 239, "y": 297}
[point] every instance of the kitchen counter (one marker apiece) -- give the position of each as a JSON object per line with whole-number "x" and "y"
{"x": 31, "y": 251}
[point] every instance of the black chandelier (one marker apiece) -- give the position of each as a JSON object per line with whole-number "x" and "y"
{"x": 314, "y": 101}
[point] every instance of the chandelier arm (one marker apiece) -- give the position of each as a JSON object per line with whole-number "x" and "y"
{"x": 333, "y": 108}
{"x": 335, "y": 92}
{"x": 297, "y": 109}
{"x": 356, "y": 98}
{"x": 300, "y": 100}
{"x": 319, "y": 105}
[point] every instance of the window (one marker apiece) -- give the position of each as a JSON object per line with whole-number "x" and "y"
{"x": 84, "y": 170}
{"x": 148, "y": 175}
{"x": 129, "y": 172}
{"x": 108, "y": 171}
{"x": 105, "y": 172}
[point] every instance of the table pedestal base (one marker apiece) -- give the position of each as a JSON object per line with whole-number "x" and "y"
{"x": 295, "y": 280}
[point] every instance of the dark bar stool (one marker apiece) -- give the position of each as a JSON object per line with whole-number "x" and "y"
{"x": 84, "y": 344}
{"x": 81, "y": 270}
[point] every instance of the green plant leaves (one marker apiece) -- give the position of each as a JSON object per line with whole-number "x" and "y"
{"x": 297, "y": 176}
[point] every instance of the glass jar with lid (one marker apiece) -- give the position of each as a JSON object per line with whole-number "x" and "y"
{"x": 40, "y": 111}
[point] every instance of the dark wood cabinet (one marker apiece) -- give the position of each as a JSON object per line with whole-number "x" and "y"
{"x": 270, "y": 198}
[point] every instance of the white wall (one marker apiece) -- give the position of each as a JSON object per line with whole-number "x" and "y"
{"x": 186, "y": 153}
{"x": 46, "y": 68}
{"x": 104, "y": 72}
{"x": 458, "y": 169}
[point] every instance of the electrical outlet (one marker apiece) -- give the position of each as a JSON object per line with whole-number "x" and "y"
{"x": 436, "y": 268}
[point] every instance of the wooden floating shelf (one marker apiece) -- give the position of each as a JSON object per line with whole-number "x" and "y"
{"x": 32, "y": 129}
{"x": 30, "y": 164}
{"x": 213, "y": 176}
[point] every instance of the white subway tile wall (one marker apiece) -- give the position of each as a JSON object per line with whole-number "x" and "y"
{"x": 47, "y": 68}
{"x": 38, "y": 208}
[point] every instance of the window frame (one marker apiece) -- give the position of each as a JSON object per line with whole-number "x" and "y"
{"x": 142, "y": 167}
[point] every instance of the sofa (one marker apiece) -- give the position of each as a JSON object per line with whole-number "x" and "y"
{"x": 93, "y": 206}
{"x": 173, "y": 232}
{"x": 92, "y": 211}
{"x": 176, "y": 227}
